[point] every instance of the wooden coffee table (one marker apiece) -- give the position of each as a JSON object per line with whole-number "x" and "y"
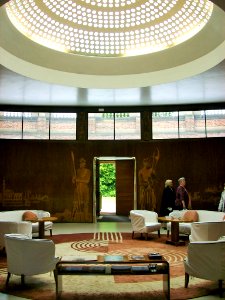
{"x": 175, "y": 237}
{"x": 112, "y": 265}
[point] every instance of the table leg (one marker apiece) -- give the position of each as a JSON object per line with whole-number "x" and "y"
{"x": 166, "y": 281}
{"x": 58, "y": 286}
{"x": 175, "y": 239}
{"x": 41, "y": 229}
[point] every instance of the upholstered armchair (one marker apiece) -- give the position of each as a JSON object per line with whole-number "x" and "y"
{"x": 144, "y": 222}
{"x": 14, "y": 227}
{"x": 21, "y": 251}
{"x": 207, "y": 231}
{"x": 206, "y": 260}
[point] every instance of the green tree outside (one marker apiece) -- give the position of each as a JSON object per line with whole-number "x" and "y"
{"x": 107, "y": 180}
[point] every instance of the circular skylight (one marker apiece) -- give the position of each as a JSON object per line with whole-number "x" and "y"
{"x": 111, "y": 28}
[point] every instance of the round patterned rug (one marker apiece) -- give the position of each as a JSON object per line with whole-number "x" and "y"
{"x": 122, "y": 287}
{"x": 136, "y": 287}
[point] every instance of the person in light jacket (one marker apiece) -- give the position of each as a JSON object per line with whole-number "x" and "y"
{"x": 221, "y": 206}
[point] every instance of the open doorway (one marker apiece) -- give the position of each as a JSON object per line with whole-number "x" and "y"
{"x": 107, "y": 186}
{"x": 114, "y": 192}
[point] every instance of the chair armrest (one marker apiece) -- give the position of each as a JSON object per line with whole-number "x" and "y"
{"x": 205, "y": 256}
{"x": 43, "y": 213}
{"x": 207, "y": 231}
{"x": 137, "y": 222}
{"x": 151, "y": 216}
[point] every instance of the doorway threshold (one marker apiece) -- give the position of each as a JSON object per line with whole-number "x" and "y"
{"x": 113, "y": 218}
{"x": 105, "y": 213}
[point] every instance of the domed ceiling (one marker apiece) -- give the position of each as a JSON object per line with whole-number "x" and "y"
{"x": 109, "y": 27}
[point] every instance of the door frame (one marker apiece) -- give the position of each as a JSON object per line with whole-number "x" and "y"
{"x": 108, "y": 159}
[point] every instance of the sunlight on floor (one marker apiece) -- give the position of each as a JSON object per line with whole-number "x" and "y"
{"x": 108, "y": 205}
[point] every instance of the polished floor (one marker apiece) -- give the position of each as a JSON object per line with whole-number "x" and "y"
{"x": 67, "y": 228}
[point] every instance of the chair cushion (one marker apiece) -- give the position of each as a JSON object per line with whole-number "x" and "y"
{"x": 29, "y": 216}
{"x": 190, "y": 216}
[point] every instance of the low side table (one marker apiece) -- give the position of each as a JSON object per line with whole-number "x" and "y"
{"x": 175, "y": 238}
{"x": 41, "y": 223}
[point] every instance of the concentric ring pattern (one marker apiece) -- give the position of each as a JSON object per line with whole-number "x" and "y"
{"x": 109, "y": 27}
{"x": 174, "y": 257}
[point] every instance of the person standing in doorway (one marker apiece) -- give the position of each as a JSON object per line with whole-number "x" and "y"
{"x": 221, "y": 206}
{"x": 168, "y": 198}
{"x": 182, "y": 198}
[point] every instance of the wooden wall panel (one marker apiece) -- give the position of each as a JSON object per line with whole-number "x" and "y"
{"x": 124, "y": 186}
{"x": 39, "y": 174}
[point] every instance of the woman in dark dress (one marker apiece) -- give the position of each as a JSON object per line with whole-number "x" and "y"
{"x": 168, "y": 198}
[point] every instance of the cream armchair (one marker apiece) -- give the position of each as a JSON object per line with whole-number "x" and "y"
{"x": 207, "y": 231}
{"x": 201, "y": 216}
{"x": 14, "y": 227}
{"x": 25, "y": 215}
{"x": 144, "y": 221}
{"x": 27, "y": 256}
{"x": 206, "y": 260}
